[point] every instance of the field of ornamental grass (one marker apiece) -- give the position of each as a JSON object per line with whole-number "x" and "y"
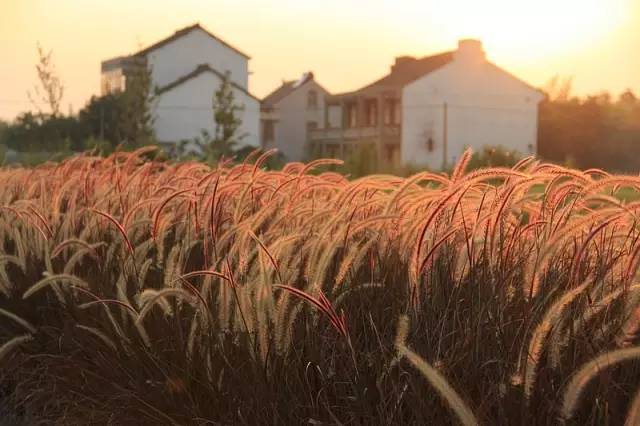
{"x": 137, "y": 292}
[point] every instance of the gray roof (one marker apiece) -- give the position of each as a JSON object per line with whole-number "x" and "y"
{"x": 285, "y": 90}
{"x": 182, "y": 32}
{"x": 202, "y": 68}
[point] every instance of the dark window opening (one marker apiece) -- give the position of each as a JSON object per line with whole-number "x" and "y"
{"x": 391, "y": 112}
{"x": 312, "y": 99}
{"x": 268, "y": 131}
{"x": 352, "y": 115}
{"x": 371, "y": 107}
{"x": 430, "y": 145}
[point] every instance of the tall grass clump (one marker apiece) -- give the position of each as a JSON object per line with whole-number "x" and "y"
{"x": 142, "y": 292}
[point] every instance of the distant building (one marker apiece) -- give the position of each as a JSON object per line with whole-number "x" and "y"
{"x": 186, "y": 69}
{"x": 426, "y": 111}
{"x": 290, "y": 113}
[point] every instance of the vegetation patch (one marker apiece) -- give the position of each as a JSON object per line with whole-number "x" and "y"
{"x": 142, "y": 292}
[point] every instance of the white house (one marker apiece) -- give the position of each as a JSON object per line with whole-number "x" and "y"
{"x": 186, "y": 69}
{"x": 290, "y": 113}
{"x": 426, "y": 111}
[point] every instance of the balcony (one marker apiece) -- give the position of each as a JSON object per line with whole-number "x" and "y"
{"x": 354, "y": 133}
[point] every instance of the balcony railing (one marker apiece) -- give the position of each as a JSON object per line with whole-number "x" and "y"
{"x": 353, "y": 133}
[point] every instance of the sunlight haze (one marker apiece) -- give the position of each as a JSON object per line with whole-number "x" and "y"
{"x": 346, "y": 44}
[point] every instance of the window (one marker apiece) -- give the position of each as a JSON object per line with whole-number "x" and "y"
{"x": 334, "y": 118}
{"x": 397, "y": 113}
{"x": 311, "y": 126}
{"x": 112, "y": 82}
{"x": 371, "y": 106}
{"x": 352, "y": 115}
{"x": 430, "y": 144}
{"x": 312, "y": 99}
{"x": 268, "y": 131}
{"x": 391, "y": 112}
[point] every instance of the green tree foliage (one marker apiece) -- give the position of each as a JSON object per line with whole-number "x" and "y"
{"x": 3, "y": 145}
{"x": 596, "y": 131}
{"x": 493, "y": 156}
{"x": 137, "y": 102}
{"x": 226, "y": 136}
{"x": 226, "y": 116}
{"x": 34, "y": 132}
{"x": 104, "y": 123}
{"x": 102, "y": 119}
{"x": 361, "y": 162}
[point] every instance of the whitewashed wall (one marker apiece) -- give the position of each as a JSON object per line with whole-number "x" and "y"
{"x": 182, "y": 112}
{"x": 183, "y": 55}
{"x": 485, "y": 106}
{"x": 290, "y": 131}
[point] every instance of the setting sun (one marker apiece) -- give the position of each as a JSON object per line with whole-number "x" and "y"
{"x": 541, "y": 28}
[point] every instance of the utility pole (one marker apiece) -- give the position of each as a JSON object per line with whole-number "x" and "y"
{"x": 445, "y": 135}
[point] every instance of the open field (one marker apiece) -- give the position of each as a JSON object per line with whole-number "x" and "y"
{"x": 137, "y": 292}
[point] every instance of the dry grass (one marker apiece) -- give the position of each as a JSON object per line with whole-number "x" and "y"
{"x": 137, "y": 292}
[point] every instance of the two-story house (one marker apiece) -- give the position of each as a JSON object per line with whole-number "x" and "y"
{"x": 290, "y": 113}
{"x": 186, "y": 69}
{"x": 426, "y": 111}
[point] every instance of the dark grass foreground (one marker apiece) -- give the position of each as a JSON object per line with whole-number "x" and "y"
{"x": 135, "y": 292}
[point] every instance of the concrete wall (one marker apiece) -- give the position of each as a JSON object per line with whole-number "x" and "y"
{"x": 485, "y": 106}
{"x": 290, "y": 131}
{"x": 183, "y": 55}
{"x": 182, "y": 112}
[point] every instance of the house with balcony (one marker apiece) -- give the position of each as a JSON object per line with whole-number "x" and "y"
{"x": 290, "y": 113}
{"x": 426, "y": 111}
{"x": 186, "y": 69}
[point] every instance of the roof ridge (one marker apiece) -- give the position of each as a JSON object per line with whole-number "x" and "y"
{"x": 184, "y": 31}
{"x": 199, "y": 69}
{"x": 445, "y": 57}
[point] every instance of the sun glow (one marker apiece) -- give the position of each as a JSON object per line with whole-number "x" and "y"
{"x": 534, "y": 29}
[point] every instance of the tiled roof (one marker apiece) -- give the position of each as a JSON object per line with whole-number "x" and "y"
{"x": 280, "y": 93}
{"x": 406, "y": 70}
{"x": 182, "y": 32}
{"x": 285, "y": 90}
{"x": 411, "y": 69}
{"x": 193, "y": 74}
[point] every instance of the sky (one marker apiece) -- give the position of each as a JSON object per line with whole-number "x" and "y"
{"x": 346, "y": 43}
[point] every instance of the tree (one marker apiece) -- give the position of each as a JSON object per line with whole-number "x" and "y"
{"x": 227, "y": 121}
{"x": 102, "y": 119}
{"x": 138, "y": 99}
{"x": 34, "y": 132}
{"x": 4, "y": 126}
{"x": 51, "y": 88}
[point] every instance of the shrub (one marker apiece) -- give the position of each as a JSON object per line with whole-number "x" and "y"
{"x": 494, "y": 156}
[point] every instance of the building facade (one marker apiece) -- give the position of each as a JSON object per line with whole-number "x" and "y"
{"x": 426, "y": 111}
{"x": 186, "y": 70}
{"x": 290, "y": 113}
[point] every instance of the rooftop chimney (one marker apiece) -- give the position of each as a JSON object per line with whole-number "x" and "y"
{"x": 402, "y": 61}
{"x": 470, "y": 50}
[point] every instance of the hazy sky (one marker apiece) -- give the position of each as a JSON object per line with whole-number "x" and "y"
{"x": 347, "y": 43}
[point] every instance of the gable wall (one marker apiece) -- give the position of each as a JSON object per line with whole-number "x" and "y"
{"x": 290, "y": 132}
{"x": 182, "y": 112}
{"x": 485, "y": 106}
{"x": 180, "y": 57}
